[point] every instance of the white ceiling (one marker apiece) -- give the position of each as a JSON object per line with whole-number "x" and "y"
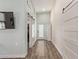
{"x": 43, "y": 5}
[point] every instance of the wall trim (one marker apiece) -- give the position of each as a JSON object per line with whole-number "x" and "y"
{"x": 58, "y": 50}
{"x": 13, "y": 56}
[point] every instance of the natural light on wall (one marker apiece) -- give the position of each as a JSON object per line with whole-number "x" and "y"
{"x": 33, "y": 30}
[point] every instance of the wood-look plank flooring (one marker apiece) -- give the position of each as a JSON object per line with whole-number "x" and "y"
{"x": 42, "y": 49}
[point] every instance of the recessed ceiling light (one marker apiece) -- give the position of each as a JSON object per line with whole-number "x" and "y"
{"x": 43, "y": 9}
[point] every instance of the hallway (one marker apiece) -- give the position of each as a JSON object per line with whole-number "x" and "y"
{"x": 43, "y": 49}
{"x": 39, "y": 29}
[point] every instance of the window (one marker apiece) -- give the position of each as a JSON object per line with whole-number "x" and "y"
{"x": 41, "y": 30}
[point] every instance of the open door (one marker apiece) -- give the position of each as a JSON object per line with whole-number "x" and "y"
{"x": 30, "y": 31}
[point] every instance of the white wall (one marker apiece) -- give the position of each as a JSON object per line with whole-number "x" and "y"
{"x": 43, "y": 18}
{"x": 13, "y": 42}
{"x": 64, "y": 29}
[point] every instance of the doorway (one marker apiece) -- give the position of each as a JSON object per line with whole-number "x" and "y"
{"x": 30, "y": 26}
{"x": 28, "y": 34}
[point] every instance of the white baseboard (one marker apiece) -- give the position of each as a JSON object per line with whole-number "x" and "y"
{"x": 13, "y": 56}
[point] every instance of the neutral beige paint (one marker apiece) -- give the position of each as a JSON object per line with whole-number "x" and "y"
{"x": 64, "y": 29}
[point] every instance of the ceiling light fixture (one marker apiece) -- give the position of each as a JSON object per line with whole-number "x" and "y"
{"x": 43, "y": 9}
